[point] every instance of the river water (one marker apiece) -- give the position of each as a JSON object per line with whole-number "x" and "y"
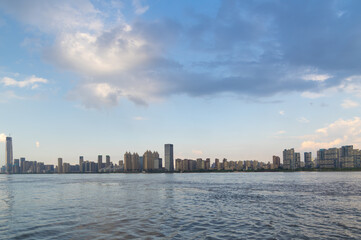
{"x": 299, "y": 205}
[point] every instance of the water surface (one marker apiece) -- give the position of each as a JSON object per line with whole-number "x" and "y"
{"x": 300, "y": 205}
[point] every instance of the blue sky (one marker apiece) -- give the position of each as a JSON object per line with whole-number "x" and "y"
{"x": 236, "y": 79}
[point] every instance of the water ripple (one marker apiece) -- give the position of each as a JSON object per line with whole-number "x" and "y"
{"x": 181, "y": 206}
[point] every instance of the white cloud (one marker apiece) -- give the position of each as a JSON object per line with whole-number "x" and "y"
{"x": 303, "y": 120}
{"x": 139, "y": 8}
{"x": 197, "y": 152}
{"x": 97, "y": 94}
{"x": 281, "y": 112}
{"x": 340, "y": 132}
{"x": 108, "y": 52}
{"x": 37, "y": 144}
{"x": 31, "y": 81}
{"x": 319, "y": 145}
{"x": 351, "y": 85}
{"x": 281, "y": 132}
{"x": 316, "y": 77}
{"x": 134, "y": 58}
{"x": 347, "y": 103}
{"x": 2, "y": 137}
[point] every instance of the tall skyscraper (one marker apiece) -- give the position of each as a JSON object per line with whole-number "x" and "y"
{"x": 148, "y": 159}
{"x": 208, "y": 164}
{"x": 217, "y": 164}
{"x": 308, "y": 159}
{"x": 60, "y": 165}
{"x": 346, "y": 157}
{"x": 141, "y": 163}
{"x": 9, "y": 154}
{"x": 276, "y": 162}
{"x": 297, "y": 160}
{"x": 328, "y": 158}
{"x": 81, "y": 160}
{"x": 135, "y": 162}
{"x": 107, "y": 161}
{"x": 289, "y": 159}
{"x": 127, "y": 162}
{"x": 16, "y": 166}
{"x": 22, "y": 165}
{"x": 168, "y": 157}
{"x": 100, "y": 162}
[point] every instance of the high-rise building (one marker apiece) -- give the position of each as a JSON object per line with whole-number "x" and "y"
{"x": 81, "y": 160}
{"x": 22, "y": 165}
{"x": 127, "y": 162}
{"x": 276, "y": 162}
{"x": 121, "y": 164}
{"x": 218, "y": 164}
{"x": 100, "y": 162}
{"x": 168, "y": 157}
{"x": 297, "y": 160}
{"x": 357, "y": 158}
{"x": 157, "y": 163}
{"x": 107, "y": 161}
{"x": 135, "y": 162}
{"x": 328, "y": 158}
{"x": 308, "y": 159}
{"x": 291, "y": 160}
{"x": 160, "y": 166}
{"x": 178, "y": 164}
{"x": 60, "y": 165}
{"x": 141, "y": 162}
{"x": 207, "y": 165}
{"x": 200, "y": 164}
{"x": 346, "y": 157}
{"x": 93, "y": 167}
{"x": 148, "y": 160}
{"x": 9, "y": 154}
{"x": 16, "y": 166}
{"x": 225, "y": 164}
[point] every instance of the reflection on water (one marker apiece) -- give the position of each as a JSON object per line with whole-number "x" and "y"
{"x": 181, "y": 206}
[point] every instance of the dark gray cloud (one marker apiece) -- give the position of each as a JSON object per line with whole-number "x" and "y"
{"x": 252, "y": 49}
{"x": 267, "y": 47}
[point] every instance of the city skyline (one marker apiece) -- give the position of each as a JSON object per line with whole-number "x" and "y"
{"x": 345, "y": 157}
{"x": 98, "y": 158}
{"x": 218, "y": 79}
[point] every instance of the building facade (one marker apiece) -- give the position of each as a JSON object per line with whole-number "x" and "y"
{"x": 291, "y": 159}
{"x": 328, "y": 158}
{"x": 276, "y": 162}
{"x": 9, "y": 154}
{"x": 148, "y": 160}
{"x": 100, "y": 162}
{"x": 308, "y": 159}
{"x": 346, "y": 157}
{"x": 107, "y": 161}
{"x": 60, "y": 165}
{"x": 169, "y": 157}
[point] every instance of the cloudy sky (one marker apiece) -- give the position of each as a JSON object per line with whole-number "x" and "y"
{"x": 234, "y": 79}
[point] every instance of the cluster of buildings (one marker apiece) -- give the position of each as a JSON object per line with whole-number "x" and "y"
{"x": 188, "y": 165}
{"x": 345, "y": 157}
{"x": 149, "y": 162}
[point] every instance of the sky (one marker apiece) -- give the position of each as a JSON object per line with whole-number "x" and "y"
{"x": 241, "y": 80}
